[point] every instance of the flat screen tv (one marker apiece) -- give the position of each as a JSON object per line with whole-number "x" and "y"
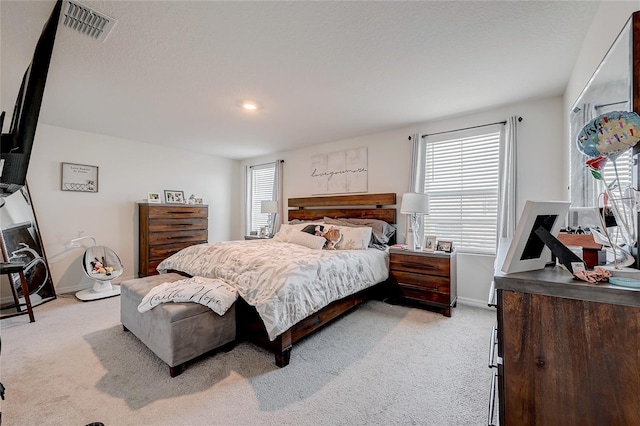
{"x": 15, "y": 146}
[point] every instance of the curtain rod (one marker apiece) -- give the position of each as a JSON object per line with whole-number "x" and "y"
{"x": 467, "y": 128}
{"x": 264, "y": 164}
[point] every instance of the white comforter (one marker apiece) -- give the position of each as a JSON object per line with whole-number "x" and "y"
{"x": 285, "y": 282}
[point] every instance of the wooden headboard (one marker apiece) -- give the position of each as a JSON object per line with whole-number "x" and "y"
{"x": 364, "y": 206}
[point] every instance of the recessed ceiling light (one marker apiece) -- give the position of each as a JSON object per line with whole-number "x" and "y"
{"x": 249, "y": 106}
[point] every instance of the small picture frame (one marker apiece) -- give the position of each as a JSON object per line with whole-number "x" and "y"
{"x": 79, "y": 178}
{"x": 445, "y": 246}
{"x": 198, "y": 200}
{"x": 154, "y": 198}
{"x": 429, "y": 243}
{"x": 173, "y": 197}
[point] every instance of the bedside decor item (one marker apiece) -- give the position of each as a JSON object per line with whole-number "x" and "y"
{"x": 429, "y": 243}
{"x": 79, "y": 178}
{"x": 154, "y": 197}
{"x": 445, "y": 246}
{"x": 270, "y": 207}
{"x": 173, "y": 197}
{"x": 415, "y": 205}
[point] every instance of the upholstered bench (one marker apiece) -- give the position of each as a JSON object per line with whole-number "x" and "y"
{"x": 175, "y": 332}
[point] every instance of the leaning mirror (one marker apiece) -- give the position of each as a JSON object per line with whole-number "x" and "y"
{"x": 20, "y": 242}
{"x": 609, "y": 89}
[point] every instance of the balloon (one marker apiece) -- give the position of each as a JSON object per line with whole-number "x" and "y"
{"x": 596, "y": 165}
{"x": 610, "y": 134}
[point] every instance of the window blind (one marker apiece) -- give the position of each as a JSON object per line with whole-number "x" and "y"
{"x": 461, "y": 178}
{"x": 261, "y": 189}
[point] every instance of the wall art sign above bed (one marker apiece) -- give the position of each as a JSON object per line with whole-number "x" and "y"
{"x": 339, "y": 172}
{"x": 79, "y": 177}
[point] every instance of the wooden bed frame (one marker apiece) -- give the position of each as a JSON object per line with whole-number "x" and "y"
{"x": 367, "y": 206}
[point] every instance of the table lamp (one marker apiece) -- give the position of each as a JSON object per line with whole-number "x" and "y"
{"x": 415, "y": 204}
{"x": 269, "y": 207}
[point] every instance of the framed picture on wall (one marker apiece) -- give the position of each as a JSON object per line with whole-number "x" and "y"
{"x": 173, "y": 197}
{"x": 79, "y": 178}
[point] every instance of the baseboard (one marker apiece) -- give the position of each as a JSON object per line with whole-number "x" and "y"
{"x": 83, "y": 286}
{"x": 474, "y": 302}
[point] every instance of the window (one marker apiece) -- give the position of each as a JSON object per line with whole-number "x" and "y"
{"x": 461, "y": 178}
{"x": 260, "y": 182}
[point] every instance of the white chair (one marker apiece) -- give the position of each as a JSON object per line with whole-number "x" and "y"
{"x": 101, "y": 264}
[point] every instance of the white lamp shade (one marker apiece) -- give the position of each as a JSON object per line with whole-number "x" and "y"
{"x": 268, "y": 207}
{"x": 413, "y": 202}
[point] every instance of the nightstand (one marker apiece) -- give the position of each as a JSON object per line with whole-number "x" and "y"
{"x": 427, "y": 279}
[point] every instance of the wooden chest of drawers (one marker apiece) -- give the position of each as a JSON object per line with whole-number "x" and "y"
{"x": 426, "y": 278}
{"x": 166, "y": 229}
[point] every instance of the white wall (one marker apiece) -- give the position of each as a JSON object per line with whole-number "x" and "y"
{"x": 127, "y": 171}
{"x": 540, "y": 170}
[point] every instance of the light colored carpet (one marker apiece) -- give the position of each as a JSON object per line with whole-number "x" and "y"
{"x": 381, "y": 364}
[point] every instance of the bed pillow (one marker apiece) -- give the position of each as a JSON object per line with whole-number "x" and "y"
{"x": 381, "y": 231}
{"x": 354, "y": 238}
{"x": 291, "y": 234}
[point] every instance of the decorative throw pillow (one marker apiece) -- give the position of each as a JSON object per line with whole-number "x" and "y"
{"x": 381, "y": 231}
{"x": 354, "y": 238}
{"x": 314, "y": 242}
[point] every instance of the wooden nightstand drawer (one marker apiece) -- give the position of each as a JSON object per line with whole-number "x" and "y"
{"x": 426, "y": 282}
{"x": 425, "y": 295}
{"x": 420, "y": 264}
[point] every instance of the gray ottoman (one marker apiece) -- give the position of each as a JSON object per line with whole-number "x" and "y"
{"x": 175, "y": 332}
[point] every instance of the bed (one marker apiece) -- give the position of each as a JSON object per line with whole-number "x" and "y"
{"x": 274, "y": 315}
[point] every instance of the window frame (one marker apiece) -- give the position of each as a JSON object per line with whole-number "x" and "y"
{"x": 253, "y": 199}
{"x": 446, "y": 195}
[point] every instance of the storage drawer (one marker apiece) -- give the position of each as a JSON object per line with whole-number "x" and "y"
{"x": 177, "y": 224}
{"x": 420, "y": 264}
{"x": 166, "y": 250}
{"x": 427, "y": 282}
{"x": 178, "y": 212}
{"x": 424, "y": 295}
{"x": 494, "y": 359}
{"x": 178, "y": 236}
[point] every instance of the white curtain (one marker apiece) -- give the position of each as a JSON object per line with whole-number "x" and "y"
{"x": 277, "y": 196}
{"x": 416, "y": 179}
{"x": 507, "y": 185}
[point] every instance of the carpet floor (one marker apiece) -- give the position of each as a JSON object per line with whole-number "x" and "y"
{"x": 380, "y": 365}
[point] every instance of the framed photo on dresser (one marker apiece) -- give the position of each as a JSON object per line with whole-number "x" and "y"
{"x": 173, "y": 197}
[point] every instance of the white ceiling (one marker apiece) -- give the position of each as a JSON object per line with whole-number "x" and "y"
{"x": 175, "y": 72}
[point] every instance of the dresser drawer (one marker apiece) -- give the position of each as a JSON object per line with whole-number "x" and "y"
{"x": 420, "y": 264}
{"x": 178, "y": 212}
{"x": 178, "y": 236}
{"x": 178, "y": 223}
{"x": 165, "y": 250}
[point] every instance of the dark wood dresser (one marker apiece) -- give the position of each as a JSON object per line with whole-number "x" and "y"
{"x": 424, "y": 278}
{"x": 568, "y": 352}
{"x": 166, "y": 229}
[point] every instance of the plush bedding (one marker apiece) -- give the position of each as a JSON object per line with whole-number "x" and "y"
{"x": 285, "y": 282}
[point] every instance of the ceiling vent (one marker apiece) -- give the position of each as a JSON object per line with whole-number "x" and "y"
{"x": 86, "y": 20}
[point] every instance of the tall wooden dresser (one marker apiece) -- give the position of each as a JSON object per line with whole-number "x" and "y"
{"x": 166, "y": 229}
{"x": 568, "y": 351}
